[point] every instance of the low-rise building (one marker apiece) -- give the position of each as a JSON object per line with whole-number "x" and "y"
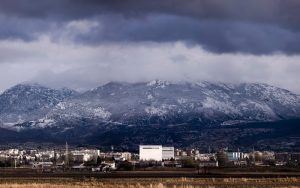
{"x": 205, "y": 157}
{"x": 168, "y": 153}
{"x": 150, "y": 152}
{"x": 208, "y": 164}
{"x": 41, "y": 165}
{"x": 235, "y": 156}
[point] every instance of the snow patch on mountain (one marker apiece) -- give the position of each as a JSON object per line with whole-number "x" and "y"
{"x": 225, "y": 107}
{"x": 149, "y": 97}
{"x": 43, "y": 123}
{"x": 136, "y": 103}
{"x": 182, "y": 100}
{"x": 100, "y": 112}
{"x": 155, "y": 111}
{"x": 76, "y": 109}
{"x": 158, "y": 83}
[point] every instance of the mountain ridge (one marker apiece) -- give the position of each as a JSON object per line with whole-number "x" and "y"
{"x": 155, "y": 102}
{"x": 127, "y": 114}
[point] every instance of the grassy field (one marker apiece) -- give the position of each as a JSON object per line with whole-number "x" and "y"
{"x": 151, "y": 183}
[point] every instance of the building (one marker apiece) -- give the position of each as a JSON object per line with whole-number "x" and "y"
{"x": 295, "y": 157}
{"x": 168, "y": 153}
{"x": 180, "y": 153}
{"x": 240, "y": 163}
{"x": 268, "y": 156}
{"x": 42, "y": 165}
{"x": 208, "y": 164}
{"x": 235, "y": 156}
{"x": 282, "y": 157}
{"x": 150, "y": 152}
{"x": 13, "y": 151}
{"x": 126, "y": 156}
{"x": 85, "y": 155}
{"x": 205, "y": 157}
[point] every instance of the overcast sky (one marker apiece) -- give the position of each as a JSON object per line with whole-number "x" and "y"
{"x": 85, "y": 43}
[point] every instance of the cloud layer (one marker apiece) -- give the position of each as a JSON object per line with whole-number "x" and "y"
{"x": 258, "y": 26}
{"x": 82, "y": 44}
{"x": 82, "y": 67}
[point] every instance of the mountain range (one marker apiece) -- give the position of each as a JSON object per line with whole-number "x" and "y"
{"x": 123, "y": 109}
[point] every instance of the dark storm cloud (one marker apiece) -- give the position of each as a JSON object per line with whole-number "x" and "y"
{"x": 213, "y": 35}
{"x": 284, "y": 12}
{"x": 26, "y": 29}
{"x": 257, "y": 26}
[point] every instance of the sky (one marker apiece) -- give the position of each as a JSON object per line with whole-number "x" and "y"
{"x": 83, "y": 44}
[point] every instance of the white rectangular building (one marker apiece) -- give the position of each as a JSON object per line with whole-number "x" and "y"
{"x": 150, "y": 152}
{"x": 168, "y": 153}
{"x": 234, "y": 156}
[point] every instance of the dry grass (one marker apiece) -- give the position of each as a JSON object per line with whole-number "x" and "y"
{"x": 151, "y": 183}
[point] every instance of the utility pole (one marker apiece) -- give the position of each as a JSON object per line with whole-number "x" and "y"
{"x": 67, "y": 155}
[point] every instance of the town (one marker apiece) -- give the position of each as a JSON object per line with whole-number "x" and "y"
{"x": 149, "y": 157}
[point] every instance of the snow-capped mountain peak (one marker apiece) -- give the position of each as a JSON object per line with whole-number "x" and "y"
{"x": 25, "y": 102}
{"x": 155, "y": 102}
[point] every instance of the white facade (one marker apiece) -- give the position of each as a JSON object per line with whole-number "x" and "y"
{"x": 86, "y": 154}
{"x": 168, "y": 153}
{"x": 13, "y": 151}
{"x": 234, "y": 156}
{"x": 205, "y": 157}
{"x": 151, "y": 152}
{"x": 126, "y": 156}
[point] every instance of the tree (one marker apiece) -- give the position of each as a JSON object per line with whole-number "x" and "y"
{"x": 222, "y": 158}
{"x": 189, "y": 163}
{"x": 126, "y": 166}
{"x": 99, "y": 160}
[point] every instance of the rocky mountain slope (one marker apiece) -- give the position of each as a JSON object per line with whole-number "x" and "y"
{"x": 28, "y": 102}
{"x": 156, "y": 102}
{"x": 122, "y": 114}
